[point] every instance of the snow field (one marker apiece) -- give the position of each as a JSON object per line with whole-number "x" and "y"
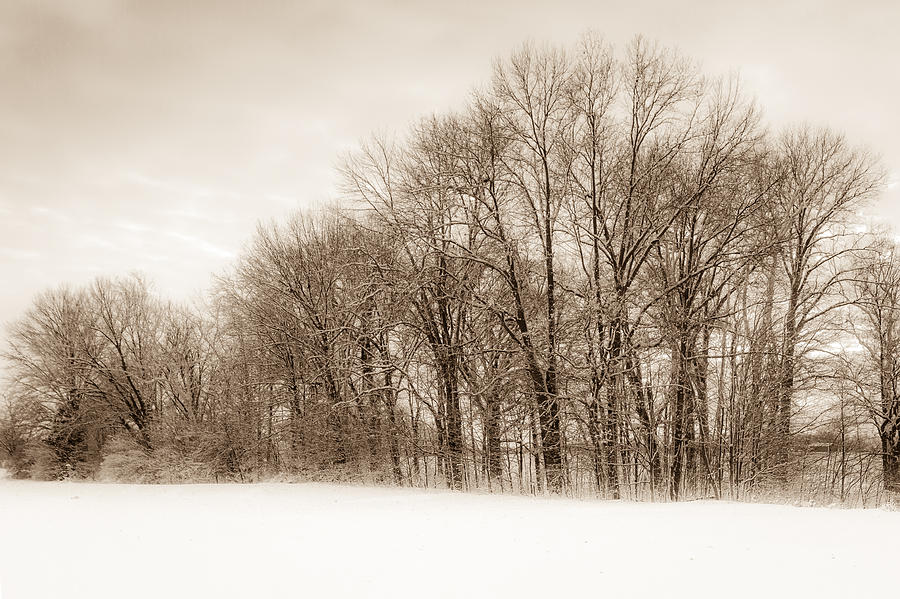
{"x": 279, "y": 540}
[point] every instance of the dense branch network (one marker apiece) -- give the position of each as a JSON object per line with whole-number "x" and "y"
{"x": 600, "y": 276}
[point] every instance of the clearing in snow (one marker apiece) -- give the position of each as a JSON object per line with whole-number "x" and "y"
{"x": 308, "y": 540}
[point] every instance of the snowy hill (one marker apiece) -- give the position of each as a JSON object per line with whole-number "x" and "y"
{"x": 93, "y": 540}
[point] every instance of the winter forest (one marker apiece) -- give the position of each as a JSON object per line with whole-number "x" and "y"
{"x": 606, "y": 275}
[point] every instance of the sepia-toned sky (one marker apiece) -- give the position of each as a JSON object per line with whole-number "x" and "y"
{"x": 152, "y": 135}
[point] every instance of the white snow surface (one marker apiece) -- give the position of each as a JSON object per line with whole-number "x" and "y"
{"x": 64, "y": 540}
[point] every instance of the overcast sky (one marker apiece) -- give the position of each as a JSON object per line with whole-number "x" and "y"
{"x": 152, "y": 135}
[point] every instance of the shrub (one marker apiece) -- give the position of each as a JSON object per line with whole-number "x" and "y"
{"x": 126, "y": 461}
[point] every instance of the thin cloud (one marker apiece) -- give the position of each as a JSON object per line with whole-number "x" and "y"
{"x": 19, "y": 254}
{"x": 201, "y": 244}
{"x": 49, "y": 213}
{"x": 198, "y": 215}
{"x": 135, "y": 227}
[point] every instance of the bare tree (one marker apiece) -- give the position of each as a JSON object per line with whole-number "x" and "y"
{"x": 877, "y": 297}
{"x": 824, "y": 182}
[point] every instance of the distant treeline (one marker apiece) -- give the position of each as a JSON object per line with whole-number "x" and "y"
{"x": 601, "y": 276}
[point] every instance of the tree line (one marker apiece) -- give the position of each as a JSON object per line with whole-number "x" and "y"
{"x": 602, "y": 276}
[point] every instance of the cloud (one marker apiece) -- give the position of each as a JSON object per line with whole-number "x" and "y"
{"x": 201, "y": 244}
{"x": 135, "y": 227}
{"x": 43, "y": 212}
{"x": 195, "y": 214}
{"x": 19, "y": 254}
{"x": 95, "y": 241}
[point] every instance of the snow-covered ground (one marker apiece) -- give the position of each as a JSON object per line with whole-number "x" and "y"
{"x": 64, "y": 540}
